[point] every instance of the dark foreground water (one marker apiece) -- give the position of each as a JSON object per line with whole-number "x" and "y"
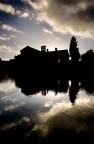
{"x": 47, "y": 119}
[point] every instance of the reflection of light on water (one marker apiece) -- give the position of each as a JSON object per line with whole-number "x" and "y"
{"x": 69, "y": 82}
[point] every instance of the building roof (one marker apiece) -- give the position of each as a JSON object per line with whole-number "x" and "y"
{"x": 28, "y": 49}
{"x": 63, "y": 53}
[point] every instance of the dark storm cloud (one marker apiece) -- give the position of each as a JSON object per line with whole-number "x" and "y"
{"x": 66, "y": 16}
{"x": 68, "y": 2}
{"x": 88, "y": 14}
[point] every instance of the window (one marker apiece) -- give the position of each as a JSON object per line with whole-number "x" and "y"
{"x": 58, "y": 61}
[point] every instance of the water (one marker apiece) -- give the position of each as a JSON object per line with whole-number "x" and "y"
{"x": 50, "y": 116}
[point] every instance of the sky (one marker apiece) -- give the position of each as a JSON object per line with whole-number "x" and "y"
{"x": 45, "y": 22}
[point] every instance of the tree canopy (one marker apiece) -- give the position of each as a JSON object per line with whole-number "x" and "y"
{"x": 74, "y": 50}
{"x": 88, "y": 56}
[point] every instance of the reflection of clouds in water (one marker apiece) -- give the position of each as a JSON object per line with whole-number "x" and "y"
{"x": 6, "y": 127}
{"x": 7, "y": 86}
{"x": 14, "y": 124}
{"x": 13, "y": 106}
{"x": 24, "y": 119}
{"x": 66, "y": 116}
{"x": 5, "y": 98}
{"x": 10, "y": 97}
{"x": 47, "y": 104}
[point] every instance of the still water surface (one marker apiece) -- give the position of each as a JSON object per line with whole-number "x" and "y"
{"x": 41, "y": 118}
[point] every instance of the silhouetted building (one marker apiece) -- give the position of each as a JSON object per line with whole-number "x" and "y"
{"x": 55, "y": 57}
{"x": 38, "y": 63}
{"x": 29, "y": 51}
{"x": 32, "y": 58}
{"x": 58, "y": 57}
{"x": 43, "y": 48}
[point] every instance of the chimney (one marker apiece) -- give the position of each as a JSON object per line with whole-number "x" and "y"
{"x": 43, "y": 48}
{"x": 55, "y": 49}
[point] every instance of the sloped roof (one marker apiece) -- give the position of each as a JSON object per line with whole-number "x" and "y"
{"x": 28, "y": 49}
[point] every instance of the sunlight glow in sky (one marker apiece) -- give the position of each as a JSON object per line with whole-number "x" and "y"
{"x": 45, "y": 22}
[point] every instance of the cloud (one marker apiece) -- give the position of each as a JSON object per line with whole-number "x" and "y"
{"x": 7, "y": 8}
{"x": 4, "y": 48}
{"x": 11, "y": 10}
{"x": 4, "y": 38}
{"x": 75, "y": 17}
{"x": 47, "y": 31}
{"x": 10, "y": 28}
{"x": 12, "y": 36}
{"x": 25, "y": 15}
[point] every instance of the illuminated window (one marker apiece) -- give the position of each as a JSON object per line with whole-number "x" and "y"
{"x": 58, "y": 82}
{"x": 58, "y": 61}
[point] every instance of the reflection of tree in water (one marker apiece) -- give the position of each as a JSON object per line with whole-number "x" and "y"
{"x": 73, "y": 90}
{"x": 44, "y": 92}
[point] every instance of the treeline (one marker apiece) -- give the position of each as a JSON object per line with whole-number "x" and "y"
{"x": 87, "y": 58}
{"x": 80, "y": 66}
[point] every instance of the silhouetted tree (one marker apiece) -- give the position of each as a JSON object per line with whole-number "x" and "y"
{"x": 74, "y": 50}
{"x": 87, "y": 64}
{"x": 88, "y": 57}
